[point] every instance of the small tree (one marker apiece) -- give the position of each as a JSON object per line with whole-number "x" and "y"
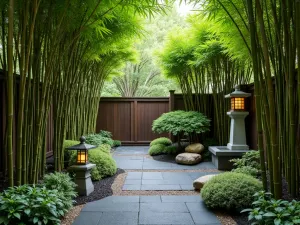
{"x": 181, "y": 123}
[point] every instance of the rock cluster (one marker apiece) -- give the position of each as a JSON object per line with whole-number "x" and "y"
{"x": 191, "y": 155}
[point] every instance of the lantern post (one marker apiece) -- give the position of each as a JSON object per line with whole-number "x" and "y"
{"x": 237, "y": 145}
{"x": 82, "y": 167}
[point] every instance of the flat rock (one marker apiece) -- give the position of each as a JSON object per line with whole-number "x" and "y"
{"x": 199, "y": 183}
{"x": 188, "y": 158}
{"x": 195, "y": 148}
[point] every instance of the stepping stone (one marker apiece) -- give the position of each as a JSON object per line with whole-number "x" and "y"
{"x": 199, "y": 183}
{"x": 188, "y": 158}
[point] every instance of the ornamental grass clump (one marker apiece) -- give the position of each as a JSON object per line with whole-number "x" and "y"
{"x": 230, "y": 191}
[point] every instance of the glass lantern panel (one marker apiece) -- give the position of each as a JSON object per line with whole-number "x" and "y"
{"x": 239, "y": 104}
{"x": 81, "y": 157}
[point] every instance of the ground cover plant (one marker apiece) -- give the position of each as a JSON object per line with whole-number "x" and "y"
{"x": 162, "y": 140}
{"x": 230, "y": 191}
{"x": 267, "y": 210}
{"x": 161, "y": 146}
{"x": 45, "y": 203}
{"x": 248, "y": 164}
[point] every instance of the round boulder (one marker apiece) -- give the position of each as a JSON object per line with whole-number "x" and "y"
{"x": 199, "y": 183}
{"x": 188, "y": 158}
{"x": 195, "y": 148}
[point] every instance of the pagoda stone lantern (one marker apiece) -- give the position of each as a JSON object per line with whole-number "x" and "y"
{"x": 237, "y": 145}
{"x": 82, "y": 168}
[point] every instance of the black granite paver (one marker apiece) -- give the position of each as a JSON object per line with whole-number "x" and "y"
{"x": 161, "y": 180}
{"x": 159, "y": 210}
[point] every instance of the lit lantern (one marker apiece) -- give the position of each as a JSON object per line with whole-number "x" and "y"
{"x": 238, "y": 99}
{"x": 82, "y": 151}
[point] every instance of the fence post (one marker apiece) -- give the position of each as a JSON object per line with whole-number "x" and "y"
{"x": 172, "y": 108}
{"x": 172, "y": 101}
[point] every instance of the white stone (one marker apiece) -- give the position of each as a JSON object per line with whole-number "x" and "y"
{"x": 195, "y": 148}
{"x": 199, "y": 183}
{"x": 188, "y": 158}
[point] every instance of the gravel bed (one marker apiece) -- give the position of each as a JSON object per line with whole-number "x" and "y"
{"x": 71, "y": 215}
{"x": 225, "y": 219}
{"x": 103, "y": 188}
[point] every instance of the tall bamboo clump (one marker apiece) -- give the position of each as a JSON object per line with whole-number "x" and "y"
{"x": 203, "y": 69}
{"x": 272, "y": 27}
{"x": 62, "y": 52}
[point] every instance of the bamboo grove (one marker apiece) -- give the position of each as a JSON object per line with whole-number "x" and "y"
{"x": 265, "y": 36}
{"x": 55, "y": 55}
{"x": 200, "y": 64}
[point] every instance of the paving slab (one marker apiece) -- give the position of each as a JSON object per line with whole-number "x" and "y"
{"x": 165, "y": 218}
{"x": 147, "y": 210}
{"x": 161, "y": 180}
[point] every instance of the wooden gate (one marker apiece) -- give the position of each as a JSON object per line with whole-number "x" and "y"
{"x": 130, "y": 119}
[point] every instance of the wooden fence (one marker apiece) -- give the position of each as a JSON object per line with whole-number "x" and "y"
{"x": 130, "y": 119}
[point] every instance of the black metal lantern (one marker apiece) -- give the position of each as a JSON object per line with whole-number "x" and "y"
{"x": 82, "y": 151}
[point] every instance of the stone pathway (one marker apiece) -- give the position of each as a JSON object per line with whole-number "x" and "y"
{"x": 155, "y": 209}
{"x": 138, "y": 210}
{"x": 158, "y": 181}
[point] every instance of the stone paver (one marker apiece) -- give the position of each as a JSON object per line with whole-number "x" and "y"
{"x": 147, "y": 210}
{"x": 151, "y": 210}
{"x": 158, "y": 181}
{"x": 134, "y": 157}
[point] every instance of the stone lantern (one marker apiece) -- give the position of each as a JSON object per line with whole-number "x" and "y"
{"x": 237, "y": 146}
{"x": 82, "y": 168}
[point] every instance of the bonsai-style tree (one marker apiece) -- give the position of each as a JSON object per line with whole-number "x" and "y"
{"x": 181, "y": 123}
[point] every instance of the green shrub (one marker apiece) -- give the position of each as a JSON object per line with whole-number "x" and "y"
{"x": 98, "y": 139}
{"x": 156, "y": 149}
{"x": 61, "y": 182}
{"x": 32, "y": 205}
{"x": 250, "y": 158}
{"x": 267, "y": 210}
{"x": 67, "y": 153}
{"x": 117, "y": 143}
{"x": 230, "y": 191}
{"x": 104, "y": 148}
{"x": 162, "y": 140}
{"x": 171, "y": 150}
{"x": 105, "y": 133}
{"x": 246, "y": 170}
{"x": 181, "y": 122}
{"x": 105, "y": 164}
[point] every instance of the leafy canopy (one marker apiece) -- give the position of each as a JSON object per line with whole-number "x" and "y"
{"x": 181, "y": 122}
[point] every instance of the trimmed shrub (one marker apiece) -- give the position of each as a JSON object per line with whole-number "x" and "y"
{"x": 98, "y": 139}
{"x": 117, "y": 143}
{"x": 104, "y": 148}
{"x": 105, "y": 164}
{"x": 105, "y": 133}
{"x": 171, "y": 150}
{"x": 156, "y": 149}
{"x": 61, "y": 182}
{"x": 246, "y": 170}
{"x": 162, "y": 140}
{"x": 32, "y": 205}
{"x": 230, "y": 191}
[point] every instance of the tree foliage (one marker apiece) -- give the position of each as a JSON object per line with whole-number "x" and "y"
{"x": 181, "y": 122}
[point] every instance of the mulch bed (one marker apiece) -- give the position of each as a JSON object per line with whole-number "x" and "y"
{"x": 102, "y": 189}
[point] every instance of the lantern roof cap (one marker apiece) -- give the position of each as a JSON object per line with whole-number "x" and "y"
{"x": 82, "y": 145}
{"x": 238, "y": 93}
